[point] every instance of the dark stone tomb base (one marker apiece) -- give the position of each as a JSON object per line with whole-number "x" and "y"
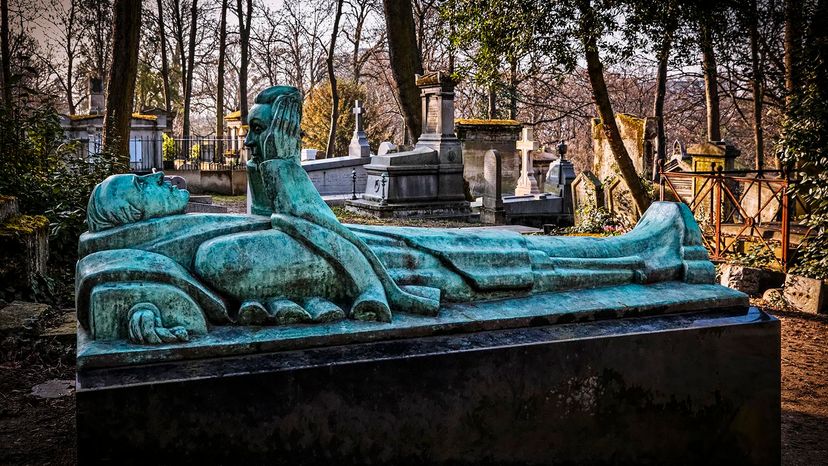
{"x": 674, "y": 389}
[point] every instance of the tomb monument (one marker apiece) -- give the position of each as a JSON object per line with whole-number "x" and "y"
{"x": 287, "y": 337}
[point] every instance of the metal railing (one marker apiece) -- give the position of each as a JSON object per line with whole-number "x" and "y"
{"x": 146, "y": 154}
{"x": 733, "y": 207}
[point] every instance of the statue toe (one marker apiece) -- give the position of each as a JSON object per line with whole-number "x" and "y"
{"x": 323, "y": 310}
{"x": 253, "y": 313}
{"x": 284, "y": 311}
{"x": 371, "y": 306}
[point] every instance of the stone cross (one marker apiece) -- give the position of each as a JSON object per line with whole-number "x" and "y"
{"x": 359, "y": 142}
{"x": 358, "y": 111}
{"x": 527, "y": 184}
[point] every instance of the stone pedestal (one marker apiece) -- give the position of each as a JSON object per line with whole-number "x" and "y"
{"x": 701, "y": 388}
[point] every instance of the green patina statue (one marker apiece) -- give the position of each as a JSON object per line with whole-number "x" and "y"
{"x": 151, "y": 274}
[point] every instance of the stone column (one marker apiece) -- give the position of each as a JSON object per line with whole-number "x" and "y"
{"x": 527, "y": 184}
{"x": 359, "y": 146}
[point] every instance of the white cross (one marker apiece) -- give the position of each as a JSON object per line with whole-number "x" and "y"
{"x": 527, "y": 184}
{"x": 358, "y": 110}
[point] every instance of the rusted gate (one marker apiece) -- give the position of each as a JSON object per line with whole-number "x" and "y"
{"x": 734, "y": 206}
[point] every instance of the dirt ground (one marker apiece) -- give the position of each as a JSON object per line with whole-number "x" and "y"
{"x": 42, "y": 431}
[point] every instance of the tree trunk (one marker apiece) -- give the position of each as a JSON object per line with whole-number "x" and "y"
{"x": 513, "y": 88}
{"x": 405, "y": 61}
{"x": 600, "y": 95}
{"x": 188, "y": 78}
{"x": 126, "y": 32}
{"x": 793, "y": 47}
{"x": 331, "y": 147}
{"x": 220, "y": 81}
{"x": 711, "y": 83}
{"x": 244, "y": 41}
{"x": 491, "y": 106}
{"x": 658, "y": 106}
{"x": 5, "y": 53}
{"x": 165, "y": 67}
{"x": 758, "y": 88}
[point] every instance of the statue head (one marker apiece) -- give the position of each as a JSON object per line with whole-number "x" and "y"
{"x": 122, "y": 199}
{"x": 273, "y": 124}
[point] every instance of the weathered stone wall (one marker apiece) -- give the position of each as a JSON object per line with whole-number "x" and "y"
{"x": 480, "y": 136}
{"x": 334, "y": 176}
{"x": 24, "y": 240}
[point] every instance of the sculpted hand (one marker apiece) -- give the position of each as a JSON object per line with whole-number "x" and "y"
{"x": 283, "y": 139}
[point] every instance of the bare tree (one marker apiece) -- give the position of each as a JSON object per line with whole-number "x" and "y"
{"x": 126, "y": 32}
{"x": 405, "y": 61}
{"x": 329, "y": 150}
{"x": 711, "y": 83}
{"x": 5, "y": 54}
{"x": 356, "y": 32}
{"x": 222, "y": 32}
{"x": 165, "y": 66}
{"x": 244, "y": 14}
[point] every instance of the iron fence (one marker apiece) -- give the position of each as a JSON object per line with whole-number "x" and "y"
{"x": 146, "y": 153}
{"x": 737, "y": 206}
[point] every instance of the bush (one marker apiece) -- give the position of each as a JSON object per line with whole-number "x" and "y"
{"x": 50, "y": 176}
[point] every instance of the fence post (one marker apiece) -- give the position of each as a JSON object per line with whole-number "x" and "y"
{"x": 786, "y": 221}
{"x": 718, "y": 210}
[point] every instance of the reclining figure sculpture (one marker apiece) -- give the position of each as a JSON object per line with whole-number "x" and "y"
{"x": 152, "y": 274}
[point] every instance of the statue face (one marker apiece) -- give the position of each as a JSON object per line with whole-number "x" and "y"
{"x": 127, "y": 198}
{"x": 259, "y": 120}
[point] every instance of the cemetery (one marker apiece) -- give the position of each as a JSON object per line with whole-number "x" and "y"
{"x": 413, "y": 232}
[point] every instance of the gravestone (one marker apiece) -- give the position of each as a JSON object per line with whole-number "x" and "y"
{"x": 477, "y": 137}
{"x": 527, "y": 183}
{"x": 638, "y": 135}
{"x": 491, "y": 212}
{"x": 386, "y": 147}
{"x": 587, "y": 194}
{"x": 359, "y": 146}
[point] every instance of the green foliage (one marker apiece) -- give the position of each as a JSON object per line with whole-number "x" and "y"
{"x": 195, "y": 153}
{"x": 805, "y": 151}
{"x": 50, "y": 177}
{"x": 757, "y": 256}
{"x": 316, "y": 116}
{"x": 168, "y": 147}
{"x": 598, "y": 220}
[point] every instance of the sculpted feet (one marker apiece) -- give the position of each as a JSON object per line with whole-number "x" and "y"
{"x": 371, "y": 305}
{"x": 284, "y": 311}
{"x": 323, "y": 310}
{"x": 253, "y": 313}
{"x": 145, "y": 327}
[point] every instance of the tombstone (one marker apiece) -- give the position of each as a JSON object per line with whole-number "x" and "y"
{"x": 638, "y": 135}
{"x": 309, "y": 154}
{"x": 386, "y": 147}
{"x": 527, "y": 183}
{"x": 587, "y": 193}
{"x": 492, "y": 210}
{"x": 561, "y": 173}
{"x": 477, "y": 137}
{"x": 359, "y": 146}
{"x": 177, "y": 181}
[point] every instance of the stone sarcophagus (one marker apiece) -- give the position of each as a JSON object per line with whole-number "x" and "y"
{"x": 285, "y": 336}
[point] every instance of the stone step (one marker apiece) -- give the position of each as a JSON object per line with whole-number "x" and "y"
{"x": 205, "y": 208}
{"x": 67, "y": 328}
{"x": 18, "y": 315}
{"x": 201, "y": 198}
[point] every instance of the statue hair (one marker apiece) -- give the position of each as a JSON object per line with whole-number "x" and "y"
{"x": 108, "y": 208}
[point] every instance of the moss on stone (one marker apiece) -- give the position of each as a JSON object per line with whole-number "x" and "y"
{"x": 24, "y": 225}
